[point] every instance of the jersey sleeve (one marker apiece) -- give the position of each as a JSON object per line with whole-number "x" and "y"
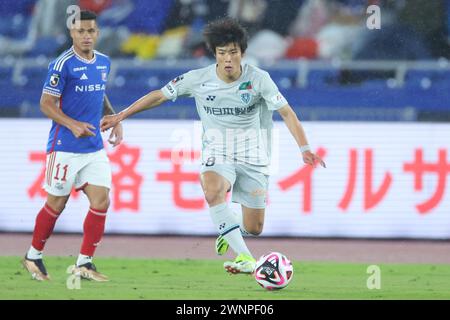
{"x": 55, "y": 81}
{"x": 180, "y": 86}
{"x": 270, "y": 93}
{"x": 109, "y": 65}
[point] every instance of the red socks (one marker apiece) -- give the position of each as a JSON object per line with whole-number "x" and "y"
{"x": 94, "y": 226}
{"x": 43, "y": 228}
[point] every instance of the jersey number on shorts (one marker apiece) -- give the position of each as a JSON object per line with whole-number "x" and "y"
{"x": 57, "y": 172}
{"x": 210, "y": 162}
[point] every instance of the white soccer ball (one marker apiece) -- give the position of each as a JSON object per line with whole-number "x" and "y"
{"x": 273, "y": 271}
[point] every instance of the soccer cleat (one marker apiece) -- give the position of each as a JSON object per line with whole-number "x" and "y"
{"x": 221, "y": 245}
{"x": 242, "y": 264}
{"x": 89, "y": 271}
{"x": 36, "y": 268}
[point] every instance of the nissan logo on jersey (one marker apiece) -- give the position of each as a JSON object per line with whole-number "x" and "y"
{"x": 90, "y": 88}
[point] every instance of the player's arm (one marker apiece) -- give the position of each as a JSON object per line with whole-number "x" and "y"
{"x": 293, "y": 123}
{"x": 50, "y": 107}
{"x": 150, "y": 100}
{"x": 116, "y": 136}
{"x": 107, "y": 107}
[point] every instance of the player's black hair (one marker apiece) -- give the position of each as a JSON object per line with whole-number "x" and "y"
{"x": 224, "y": 31}
{"x": 87, "y": 15}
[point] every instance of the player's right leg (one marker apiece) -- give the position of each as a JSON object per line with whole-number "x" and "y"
{"x": 60, "y": 175}
{"x": 251, "y": 222}
{"x": 215, "y": 187}
{"x": 250, "y": 190}
{"x": 44, "y": 225}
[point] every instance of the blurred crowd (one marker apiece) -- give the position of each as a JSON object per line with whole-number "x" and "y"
{"x": 278, "y": 29}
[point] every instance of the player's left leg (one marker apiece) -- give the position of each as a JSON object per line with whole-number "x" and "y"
{"x": 250, "y": 190}
{"x": 95, "y": 181}
{"x": 252, "y": 220}
{"x": 93, "y": 229}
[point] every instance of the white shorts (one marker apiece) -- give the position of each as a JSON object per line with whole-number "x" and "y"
{"x": 249, "y": 184}
{"x": 65, "y": 170}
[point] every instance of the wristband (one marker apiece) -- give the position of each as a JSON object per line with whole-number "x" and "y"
{"x": 305, "y": 148}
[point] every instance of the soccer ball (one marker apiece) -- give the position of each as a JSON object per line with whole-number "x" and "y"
{"x": 273, "y": 271}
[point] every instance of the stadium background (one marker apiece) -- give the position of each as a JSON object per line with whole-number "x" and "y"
{"x": 374, "y": 104}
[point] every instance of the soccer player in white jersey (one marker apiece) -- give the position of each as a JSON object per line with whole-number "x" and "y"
{"x": 74, "y": 98}
{"x": 235, "y": 104}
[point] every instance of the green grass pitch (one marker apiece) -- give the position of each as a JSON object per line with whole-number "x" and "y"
{"x": 205, "y": 279}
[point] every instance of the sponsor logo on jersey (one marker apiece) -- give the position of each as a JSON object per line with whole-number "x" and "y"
{"x": 54, "y": 80}
{"x": 230, "y": 111}
{"x": 210, "y": 98}
{"x": 210, "y": 85}
{"x": 101, "y": 67}
{"x": 84, "y": 77}
{"x": 90, "y": 88}
{"x": 246, "y": 85}
{"x": 179, "y": 78}
{"x": 79, "y": 69}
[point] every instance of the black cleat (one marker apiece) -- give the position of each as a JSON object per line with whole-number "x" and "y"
{"x": 89, "y": 271}
{"x": 36, "y": 268}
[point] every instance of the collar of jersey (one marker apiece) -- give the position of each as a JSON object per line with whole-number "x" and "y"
{"x": 83, "y": 59}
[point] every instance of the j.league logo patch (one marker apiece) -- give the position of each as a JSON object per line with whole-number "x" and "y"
{"x": 54, "y": 80}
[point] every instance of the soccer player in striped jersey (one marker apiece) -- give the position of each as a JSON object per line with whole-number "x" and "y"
{"x": 235, "y": 102}
{"x": 74, "y": 98}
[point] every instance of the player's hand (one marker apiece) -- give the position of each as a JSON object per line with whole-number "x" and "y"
{"x": 312, "y": 159}
{"x": 82, "y": 129}
{"x": 116, "y": 136}
{"x": 109, "y": 122}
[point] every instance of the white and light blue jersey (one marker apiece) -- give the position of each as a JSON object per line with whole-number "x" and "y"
{"x": 80, "y": 85}
{"x": 236, "y": 117}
